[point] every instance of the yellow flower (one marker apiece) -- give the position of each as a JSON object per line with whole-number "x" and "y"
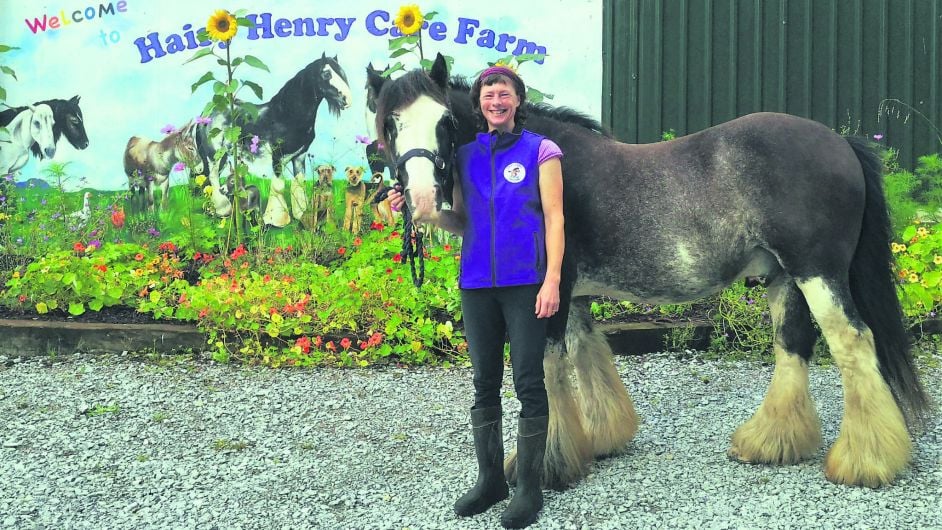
{"x": 409, "y": 19}
{"x": 200, "y": 179}
{"x": 922, "y": 232}
{"x": 506, "y": 65}
{"x": 3, "y": 216}
{"x": 221, "y": 26}
{"x": 16, "y": 274}
{"x": 208, "y": 190}
{"x": 937, "y": 259}
{"x": 913, "y": 278}
{"x": 896, "y": 248}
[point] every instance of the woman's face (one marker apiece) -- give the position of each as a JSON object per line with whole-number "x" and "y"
{"x": 499, "y": 104}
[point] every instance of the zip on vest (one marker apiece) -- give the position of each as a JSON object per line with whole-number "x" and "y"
{"x": 491, "y": 143}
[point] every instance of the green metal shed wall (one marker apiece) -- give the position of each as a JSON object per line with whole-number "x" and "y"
{"x": 689, "y": 64}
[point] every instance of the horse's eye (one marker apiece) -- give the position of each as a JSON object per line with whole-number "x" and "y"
{"x": 73, "y": 119}
{"x": 325, "y": 75}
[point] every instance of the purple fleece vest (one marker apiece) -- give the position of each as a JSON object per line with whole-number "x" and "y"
{"x": 504, "y": 236}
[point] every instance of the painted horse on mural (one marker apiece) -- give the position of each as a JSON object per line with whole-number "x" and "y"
{"x": 148, "y": 163}
{"x": 32, "y": 126}
{"x": 286, "y": 122}
{"x": 763, "y": 195}
{"x": 67, "y": 120}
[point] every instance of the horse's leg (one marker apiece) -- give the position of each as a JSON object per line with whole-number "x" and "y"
{"x": 608, "y": 412}
{"x": 164, "y": 191}
{"x": 785, "y": 429}
{"x": 568, "y": 451}
{"x": 873, "y": 445}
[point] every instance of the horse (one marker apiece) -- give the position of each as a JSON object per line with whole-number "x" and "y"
{"x": 148, "y": 164}
{"x": 767, "y": 195}
{"x": 32, "y": 126}
{"x": 67, "y": 120}
{"x": 286, "y": 122}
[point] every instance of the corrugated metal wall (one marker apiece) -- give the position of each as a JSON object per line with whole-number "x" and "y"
{"x": 689, "y": 64}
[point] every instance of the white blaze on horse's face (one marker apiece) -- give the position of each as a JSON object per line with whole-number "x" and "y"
{"x": 41, "y": 129}
{"x": 337, "y": 82}
{"x": 416, "y": 130}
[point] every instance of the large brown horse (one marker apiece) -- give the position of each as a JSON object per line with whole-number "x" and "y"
{"x": 763, "y": 195}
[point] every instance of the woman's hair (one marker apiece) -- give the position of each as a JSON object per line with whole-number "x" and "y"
{"x": 490, "y": 76}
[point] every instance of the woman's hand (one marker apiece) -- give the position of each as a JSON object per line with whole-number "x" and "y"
{"x": 547, "y": 300}
{"x": 396, "y": 198}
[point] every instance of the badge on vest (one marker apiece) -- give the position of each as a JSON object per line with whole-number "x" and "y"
{"x": 515, "y": 172}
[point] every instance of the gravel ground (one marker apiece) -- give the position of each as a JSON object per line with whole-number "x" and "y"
{"x": 113, "y": 442}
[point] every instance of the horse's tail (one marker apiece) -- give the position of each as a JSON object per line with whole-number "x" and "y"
{"x": 875, "y": 294}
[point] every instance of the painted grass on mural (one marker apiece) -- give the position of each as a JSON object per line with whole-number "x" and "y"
{"x": 40, "y": 218}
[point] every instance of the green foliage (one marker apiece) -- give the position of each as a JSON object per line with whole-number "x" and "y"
{"x": 919, "y": 270}
{"x": 912, "y": 195}
{"x": 224, "y": 101}
{"x": 93, "y": 278}
{"x": 741, "y": 322}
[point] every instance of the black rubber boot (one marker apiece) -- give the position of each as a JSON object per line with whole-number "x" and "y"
{"x": 528, "y": 496}
{"x": 491, "y": 487}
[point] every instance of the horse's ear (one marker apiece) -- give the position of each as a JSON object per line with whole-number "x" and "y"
{"x": 75, "y": 99}
{"x": 375, "y": 79}
{"x": 439, "y": 71}
{"x": 323, "y": 55}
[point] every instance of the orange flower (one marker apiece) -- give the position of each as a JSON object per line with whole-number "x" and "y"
{"x": 139, "y": 257}
{"x": 117, "y": 218}
{"x": 345, "y": 343}
{"x": 342, "y": 250}
{"x": 304, "y": 343}
{"x": 357, "y": 241}
{"x": 331, "y": 346}
{"x": 78, "y": 247}
{"x": 397, "y": 258}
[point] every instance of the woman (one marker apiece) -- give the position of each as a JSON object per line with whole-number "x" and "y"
{"x": 507, "y": 194}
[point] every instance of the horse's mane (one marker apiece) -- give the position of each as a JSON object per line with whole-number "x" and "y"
{"x": 545, "y": 110}
{"x": 403, "y": 92}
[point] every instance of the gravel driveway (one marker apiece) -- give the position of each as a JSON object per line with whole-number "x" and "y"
{"x": 112, "y": 442}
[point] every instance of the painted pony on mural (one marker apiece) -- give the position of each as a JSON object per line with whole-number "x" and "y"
{"x": 66, "y": 119}
{"x": 285, "y": 124}
{"x": 764, "y": 195}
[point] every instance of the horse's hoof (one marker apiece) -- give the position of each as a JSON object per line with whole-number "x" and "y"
{"x": 863, "y": 467}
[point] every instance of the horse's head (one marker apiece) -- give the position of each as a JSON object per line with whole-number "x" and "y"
{"x": 40, "y": 128}
{"x": 71, "y": 123}
{"x": 414, "y": 122}
{"x": 184, "y": 144}
{"x": 331, "y": 81}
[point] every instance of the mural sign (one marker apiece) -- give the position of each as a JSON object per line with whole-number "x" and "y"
{"x": 111, "y": 107}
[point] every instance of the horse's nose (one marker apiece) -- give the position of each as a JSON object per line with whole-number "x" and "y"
{"x": 50, "y": 152}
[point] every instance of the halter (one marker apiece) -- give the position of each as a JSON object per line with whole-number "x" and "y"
{"x": 412, "y": 242}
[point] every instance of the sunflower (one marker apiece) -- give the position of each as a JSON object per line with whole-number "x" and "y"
{"x": 221, "y": 26}
{"x": 409, "y": 19}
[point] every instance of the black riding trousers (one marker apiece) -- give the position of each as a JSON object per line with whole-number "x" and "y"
{"x": 489, "y": 316}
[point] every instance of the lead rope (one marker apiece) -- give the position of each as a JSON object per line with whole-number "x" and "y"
{"x": 412, "y": 246}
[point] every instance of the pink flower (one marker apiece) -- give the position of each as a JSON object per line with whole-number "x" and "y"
{"x": 878, "y": 137}
{"x": 179, "y": 166}
{"x": 203, "y": 120}
{"x": 363, "y": 139}
{"x": 254, "y": 147}
{"x": 168, "y": 129}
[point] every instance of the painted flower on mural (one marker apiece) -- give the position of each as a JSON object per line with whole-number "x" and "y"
{"x": 409, "y": 19}
{"x": 168, "y": 129}
{"x": 362, "y": 139}
{"x": 221, "y": 26}
{"x": 203, "y": 120}
{"x": 179, "y": 166}
{"x": 254, "y": 146}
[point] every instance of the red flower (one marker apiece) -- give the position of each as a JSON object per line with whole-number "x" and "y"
{"x": 318, "y": 341}
{"x": 304, "y": 343}
{"x": 139, "y": 257}
{"x": 345, "y": 343}
{"x": 357, "y": 241}
{"x": 101, "y": 268}
{"x": 394, "y": 234}
{"x": 197, "y": 256}
{"x": 266, "y": 278}
{"x": 447, "y": 247}
{"x": 375, "y": 225}
{"x": 117, "y": 218}
{"x": 363, "y": 345}
{"x": 399, "y": 279}
{"x": 397, "y": 258}
{"x": 78, "y": 247}
{"x": 22, "y": 298}
{"x": 203, "y": 312}
{"x": 342, "y": 250}
{"x": 376, "y": 339}
{"x": 289, "y": 248}
{"x": 388, "y": 271}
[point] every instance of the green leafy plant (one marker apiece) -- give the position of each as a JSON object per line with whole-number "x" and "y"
{"x": 919, "y": 270}
{"x": 221, "y": 28}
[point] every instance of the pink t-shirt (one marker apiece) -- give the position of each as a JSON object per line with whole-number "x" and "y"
{"x": 548, "y": 151}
